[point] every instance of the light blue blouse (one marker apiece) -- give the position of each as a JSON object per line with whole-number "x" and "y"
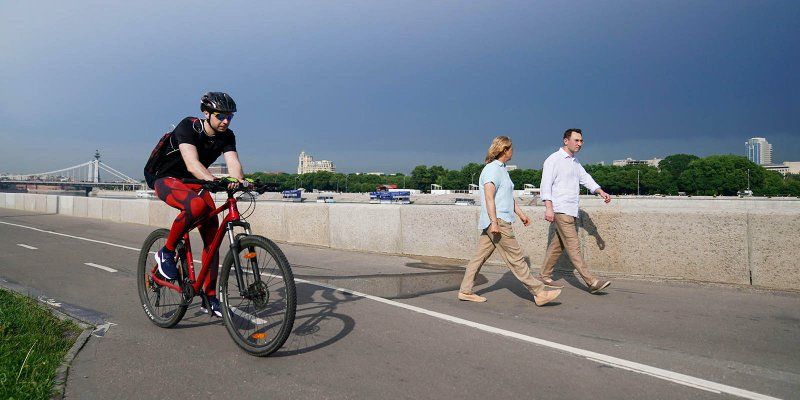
{"x": 496, "y": 173}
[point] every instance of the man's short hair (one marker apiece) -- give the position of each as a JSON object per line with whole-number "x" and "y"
{"x": 568, "y": 132}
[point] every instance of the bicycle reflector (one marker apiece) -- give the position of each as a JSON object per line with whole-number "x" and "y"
{"x": 258, "y": 336}
{"x": 249, "y": 255}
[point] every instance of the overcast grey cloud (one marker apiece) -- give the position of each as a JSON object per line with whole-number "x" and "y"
{"x": 384, "y": 86}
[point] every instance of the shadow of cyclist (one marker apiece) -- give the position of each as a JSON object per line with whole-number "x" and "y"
{"x": 317, "y": 322}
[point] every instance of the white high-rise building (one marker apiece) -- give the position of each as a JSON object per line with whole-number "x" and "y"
{"x": 306, "y": 164}
{"x": 759, "y": 151}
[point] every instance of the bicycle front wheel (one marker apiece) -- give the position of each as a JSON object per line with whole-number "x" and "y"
{"x": 164, "y": 306}
{"x": 259, "y": 315}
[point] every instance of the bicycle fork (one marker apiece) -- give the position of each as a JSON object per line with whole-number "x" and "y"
{"x": 250, "y": 256}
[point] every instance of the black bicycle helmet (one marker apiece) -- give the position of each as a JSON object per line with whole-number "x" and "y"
{"x": 217, "y": 101}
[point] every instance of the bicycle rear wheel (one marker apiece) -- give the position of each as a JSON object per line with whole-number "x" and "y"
{"x": 260, "y": 316}
{"x": 164, "y": 306}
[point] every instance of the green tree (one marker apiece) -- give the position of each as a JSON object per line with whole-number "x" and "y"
{"x": 673, "y": 166}
{"x": 438, "y": 173}
{"x": 421, "y": 178}
{"x": 471, "y": 173}
{"x": 722, "y": 175}
{"x": 453, "y": 180}
{"x": 792, "y": 184}
{"x": 522, "y": 176}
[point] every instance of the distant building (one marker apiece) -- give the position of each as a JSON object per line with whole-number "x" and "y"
{"x": 794, "y": 166}
{"x": 218, "y": 170}
{"x": 783, "y": 169}
{"x": 511, "y": 167}
{"x": 629, "y": 161}
{"x": 788, "y": 167}
{"x": 307, "y": 164}
{"x": 759, "y": 151}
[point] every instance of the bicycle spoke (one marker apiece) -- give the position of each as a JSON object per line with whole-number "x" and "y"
{"x": 164, "y": 306}
{"x": 257, "y": 316}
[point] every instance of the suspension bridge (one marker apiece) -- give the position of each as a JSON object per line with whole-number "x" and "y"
{"x": 82, "y": 176}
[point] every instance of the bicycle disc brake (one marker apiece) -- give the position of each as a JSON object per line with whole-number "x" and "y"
{"x": 257, "y": 293}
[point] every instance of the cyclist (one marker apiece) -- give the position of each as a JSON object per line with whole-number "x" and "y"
{"x": 200, "y": 141}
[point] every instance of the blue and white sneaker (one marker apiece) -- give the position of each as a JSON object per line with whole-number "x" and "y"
{"x": 167, "y": 267}
{"x": 213, "y": 302}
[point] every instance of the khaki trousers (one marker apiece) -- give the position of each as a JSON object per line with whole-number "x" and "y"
{"x": 566, "y": 238}
{"x": 506, "y": 243}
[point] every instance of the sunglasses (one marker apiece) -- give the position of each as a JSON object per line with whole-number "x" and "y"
{"x": 221, "y": 116}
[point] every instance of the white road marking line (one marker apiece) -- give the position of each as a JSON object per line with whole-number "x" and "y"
{"x": 103, "y": 267}
{"x": 251, "y": 318}
{"x": 685, "y": 380}
{"x": 26, "y": 246}
{"x": 632, "y": 366}
{"x": 69, "y": 236}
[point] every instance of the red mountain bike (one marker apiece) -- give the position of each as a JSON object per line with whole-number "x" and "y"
{"x": 256, "y": 286}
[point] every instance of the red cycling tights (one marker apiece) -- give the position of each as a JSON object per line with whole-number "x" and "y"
{"x": 193, "y": 205}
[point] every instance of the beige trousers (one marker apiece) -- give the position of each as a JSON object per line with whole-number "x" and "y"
{"x": 565, "y": 238}
{"x": 506, "y": 243}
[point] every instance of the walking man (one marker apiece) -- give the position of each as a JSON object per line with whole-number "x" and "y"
{"x": 561, "y": 176}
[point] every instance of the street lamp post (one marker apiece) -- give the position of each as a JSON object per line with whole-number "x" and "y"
{"x": 637, "y": 182}
{"x": 345, "y": 183}
{"x": 296, "y": 186}
{"x": 472, "y": 179}
{"x": 404, "y": 181}
{"x": 748, "y": 179}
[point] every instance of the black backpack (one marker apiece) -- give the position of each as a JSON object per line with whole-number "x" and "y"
{"x": 159, "y": 160}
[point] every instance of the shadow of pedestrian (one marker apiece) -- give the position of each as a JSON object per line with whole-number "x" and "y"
{"x": 510, "y": 282}
{"x": 587, "y": 224}
{"x": 434, "y": 267}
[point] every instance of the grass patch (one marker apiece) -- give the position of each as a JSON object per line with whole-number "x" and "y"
{"x": 33, "y": 343}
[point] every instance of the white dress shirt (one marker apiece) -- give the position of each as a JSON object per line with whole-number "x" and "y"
{"x": 561, "y": 175}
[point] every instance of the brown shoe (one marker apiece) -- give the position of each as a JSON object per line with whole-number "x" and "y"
{"x": 471, "y": 297}
{"x": 598, "y": 286}
{"x": 549, "y": 282}
{"x": 546, "y": 296}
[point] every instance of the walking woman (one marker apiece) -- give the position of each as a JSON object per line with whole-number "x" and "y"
{"x": 497, "y": 214}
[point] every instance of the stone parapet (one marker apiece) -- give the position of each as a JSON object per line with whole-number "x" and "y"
{"x": 737, "y": 241}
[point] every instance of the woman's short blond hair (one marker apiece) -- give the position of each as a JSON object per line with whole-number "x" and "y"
{"x": 499, "y": 145}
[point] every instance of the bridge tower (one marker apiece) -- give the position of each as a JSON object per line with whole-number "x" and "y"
{"x": 94, "y": 169}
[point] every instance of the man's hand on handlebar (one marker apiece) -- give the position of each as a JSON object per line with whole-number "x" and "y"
{"x": 234, "y": 183}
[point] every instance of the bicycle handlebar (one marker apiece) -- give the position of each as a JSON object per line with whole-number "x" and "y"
{"x": 222, "y": 186}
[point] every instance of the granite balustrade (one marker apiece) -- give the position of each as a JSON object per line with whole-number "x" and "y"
{"x": 734, "y": 241}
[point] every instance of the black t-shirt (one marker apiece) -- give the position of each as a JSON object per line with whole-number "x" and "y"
{"x": 191, "y": 131}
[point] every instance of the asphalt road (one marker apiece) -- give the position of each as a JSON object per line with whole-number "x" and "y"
{"x": 661, "y": 340}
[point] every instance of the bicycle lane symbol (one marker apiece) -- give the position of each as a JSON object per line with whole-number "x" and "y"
{"x": 102, "y": 329}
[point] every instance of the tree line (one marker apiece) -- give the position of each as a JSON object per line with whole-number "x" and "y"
{"x": 723, "y": 175}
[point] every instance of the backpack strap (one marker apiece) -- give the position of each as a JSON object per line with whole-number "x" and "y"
{"x": 197, "y": 124}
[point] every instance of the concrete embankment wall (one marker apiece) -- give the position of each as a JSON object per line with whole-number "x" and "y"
{"x": 736, "y": 241}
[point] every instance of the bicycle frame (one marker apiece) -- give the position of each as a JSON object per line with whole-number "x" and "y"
{"x": 232, "y": 219}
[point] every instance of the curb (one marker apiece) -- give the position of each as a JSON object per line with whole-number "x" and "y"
{"x": 62, "y": 372}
